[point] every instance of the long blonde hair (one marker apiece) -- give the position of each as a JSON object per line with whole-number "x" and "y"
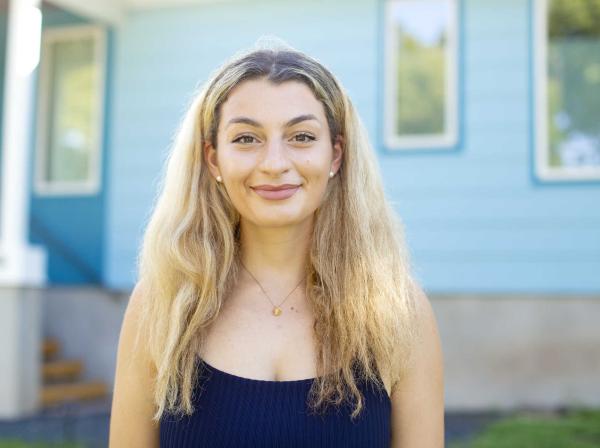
{"x": 358, "y": 280}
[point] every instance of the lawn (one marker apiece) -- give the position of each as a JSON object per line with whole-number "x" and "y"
{"x": 20, "y": 444}
{"x": 575, "y": 429}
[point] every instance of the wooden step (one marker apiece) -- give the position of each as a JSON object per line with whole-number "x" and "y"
{"x": 61, "y": 370}
{"x": 58, "y": 393}
{"x": 50, "y": 348}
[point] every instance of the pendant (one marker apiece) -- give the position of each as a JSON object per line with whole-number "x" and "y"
{"x": 276, "y": 311}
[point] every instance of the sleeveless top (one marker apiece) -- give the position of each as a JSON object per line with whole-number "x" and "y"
{"x": 234, "y": 411}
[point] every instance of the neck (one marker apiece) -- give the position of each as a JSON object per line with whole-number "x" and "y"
{"x": 275, "y": 256}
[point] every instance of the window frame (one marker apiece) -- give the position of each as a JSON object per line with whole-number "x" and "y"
{"x": 540, "y": 80}
{"x": 92, "y": 185}
{"x": 447, "y": 140}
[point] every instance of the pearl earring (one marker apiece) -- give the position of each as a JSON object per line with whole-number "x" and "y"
{"x": 331, "y": 174}
{"x": 219, "y": 179}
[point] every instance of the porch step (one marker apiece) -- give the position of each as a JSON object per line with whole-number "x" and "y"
{"x": 61, "y": 382}
{"x": 61, "y": 370}
{"x": 50, "y": 348}
{"x": 59, "y": 393}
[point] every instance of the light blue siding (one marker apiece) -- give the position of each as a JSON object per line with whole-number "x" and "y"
{"x": 475, "y": 218}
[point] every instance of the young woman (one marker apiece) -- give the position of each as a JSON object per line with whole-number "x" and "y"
{"x": 275, "y": 306}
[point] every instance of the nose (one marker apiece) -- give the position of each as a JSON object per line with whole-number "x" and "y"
{"x": 275, "y": 159}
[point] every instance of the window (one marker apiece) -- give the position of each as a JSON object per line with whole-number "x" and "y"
{"x": 70, "y": 111}
{"x": 420, "y": 98}
{"x": 567, "y": 81}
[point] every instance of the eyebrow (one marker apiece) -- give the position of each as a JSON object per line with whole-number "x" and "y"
{"x": 254, "y": 123}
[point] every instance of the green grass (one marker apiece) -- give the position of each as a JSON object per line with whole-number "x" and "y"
{"x": 14, "y": 443}
{"x": 576, "y": 429}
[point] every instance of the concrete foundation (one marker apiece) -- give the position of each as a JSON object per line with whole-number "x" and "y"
{"x": 506, "y": 352}
{"x": 20, "y": 360}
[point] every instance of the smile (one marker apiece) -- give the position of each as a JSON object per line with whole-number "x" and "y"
{"x": 283, "y": 193}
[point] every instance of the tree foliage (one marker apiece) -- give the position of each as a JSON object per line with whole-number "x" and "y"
{"x": 574, "y": 18}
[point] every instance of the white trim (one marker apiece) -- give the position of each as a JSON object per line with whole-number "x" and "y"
{"x": 92, "y": 185}
{"x": 540, "y": 79}
{"x": 108, "y": 11}
{"x": 141, "y": 5}
{"x": 433, "y": 141}
{"x": 22, "y": 47}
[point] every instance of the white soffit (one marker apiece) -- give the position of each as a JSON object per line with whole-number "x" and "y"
{"x": 110, "y": 11}
{"x": 148, "y": 4}
{"x": 114, "y": 11}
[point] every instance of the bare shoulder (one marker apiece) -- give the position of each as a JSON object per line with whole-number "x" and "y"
{"x": 418, "y": 398}
{"x": 131, "y": 422}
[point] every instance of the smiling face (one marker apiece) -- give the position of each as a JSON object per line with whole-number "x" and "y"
{"x": 271, "y": 135}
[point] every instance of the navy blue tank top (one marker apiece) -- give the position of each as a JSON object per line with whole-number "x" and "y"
{"x": 233, "y": 411}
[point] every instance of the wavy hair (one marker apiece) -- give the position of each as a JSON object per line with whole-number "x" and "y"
{"x": 358, "y": 278}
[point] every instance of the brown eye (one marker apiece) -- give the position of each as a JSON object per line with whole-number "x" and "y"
{"x": 306, "y": 137}
{"x": 242, "y": 137}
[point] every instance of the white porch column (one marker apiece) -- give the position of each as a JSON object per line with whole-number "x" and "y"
{"x": 22, "y": 267}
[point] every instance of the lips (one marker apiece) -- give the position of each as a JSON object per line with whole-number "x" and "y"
{"x": 276, "y": 192}
{"x": 275, "y": 187}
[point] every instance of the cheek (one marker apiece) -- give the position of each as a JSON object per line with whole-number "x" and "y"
{"x": 316, "y": 175}
{"x": 316, "y": 161}
{"x": 316, "y": 170}
{"x": 234, "y": 167}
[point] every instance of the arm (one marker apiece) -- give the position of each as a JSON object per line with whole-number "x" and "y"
{"x": 418, "y": 399}
{"x": 131, "y": 422}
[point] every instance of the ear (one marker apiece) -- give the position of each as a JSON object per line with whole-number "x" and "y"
{"x": 338, "y": 152}
{"x": 210, "y": 156}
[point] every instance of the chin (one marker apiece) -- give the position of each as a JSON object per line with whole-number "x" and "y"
{"x": 278, "y": 219}
{"x": 277, "y": 222}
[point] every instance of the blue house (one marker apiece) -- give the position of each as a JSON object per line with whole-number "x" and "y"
{"x": 485, "y": 118}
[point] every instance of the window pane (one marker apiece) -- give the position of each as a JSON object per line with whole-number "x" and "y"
{"x": 573, "y": 76}
{"x": 73, "y": 111}
{"x": 421, "y": 34}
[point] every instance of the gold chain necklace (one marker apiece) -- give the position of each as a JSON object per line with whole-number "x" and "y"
{"x": 276, "y": 308}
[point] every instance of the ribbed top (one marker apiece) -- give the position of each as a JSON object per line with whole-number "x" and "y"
{"x": 233, "y": 411}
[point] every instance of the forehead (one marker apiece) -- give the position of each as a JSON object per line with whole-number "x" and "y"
{"x": 265, "y": 101}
